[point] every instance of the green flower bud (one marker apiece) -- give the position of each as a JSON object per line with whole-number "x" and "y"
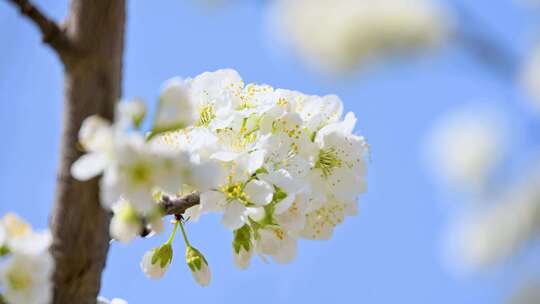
{"x": 198, "y": 266}
{"x": 155, "y": 262}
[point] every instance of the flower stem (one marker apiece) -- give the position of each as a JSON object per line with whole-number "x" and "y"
{"x": 173, "y": 233}
{"x": 184, "y": 233}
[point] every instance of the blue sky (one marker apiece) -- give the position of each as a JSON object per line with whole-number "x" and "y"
{"x": 389, "y": 253}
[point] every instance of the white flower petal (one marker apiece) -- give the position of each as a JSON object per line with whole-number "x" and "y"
{"x": 284, "y": 204}
{"x": 88, "y": 166}
{"x": 31, "y": 244}
{"x": 259, "y": 192}
{"x": 225, "y": 156}
{"x": 287, "y": 252}
{"x": 242, "y": 258}
{"x": 235, "y": 215}
{"x": 212, "y": 201}
{"x": 152, "y": 271}
{"x": 256, "y": 213}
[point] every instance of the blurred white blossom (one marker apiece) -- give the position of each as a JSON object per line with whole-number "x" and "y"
{"x": 174, "y": 110}
{"x": 466, "y": 146}
{"x": 337, "y": 35}
{"x": 126, "y": 223}
{"x": 25, "y": 262}
{"x": 531, "y": 77}
{"x": 132, "y": 111}
{"x": 496, "y": 232}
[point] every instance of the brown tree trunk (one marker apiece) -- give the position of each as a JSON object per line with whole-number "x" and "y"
{"x": 93, "y": 74}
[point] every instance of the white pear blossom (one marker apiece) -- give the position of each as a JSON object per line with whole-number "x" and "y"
{"x": 97, "y": 138}
{"x": 320, "y": 223}
{"x": 131, "y": 112}
{"x": 140, "y": 170}
{"x": 337, "y": 35}
{"x": 276, "y": 242}
{"x": 318, "y": 112}
{"x": 339, "y": 170}
{"x": 238, "y": 191}
{"x": 175, "y": 109}
{"x": 212, "y": 95}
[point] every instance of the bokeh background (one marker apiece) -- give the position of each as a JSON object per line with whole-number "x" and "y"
{"x": 394, "y": 250}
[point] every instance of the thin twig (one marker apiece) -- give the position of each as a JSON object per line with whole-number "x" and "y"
{"x": 179, "y": 204}
{"x": 51, "y": 33}
{"x": 176, "y": 206}
{"x": 476, "y": 36}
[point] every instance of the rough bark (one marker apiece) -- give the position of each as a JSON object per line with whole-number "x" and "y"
{"x": 90, "y": 45}
{"x": 93, "y": 73}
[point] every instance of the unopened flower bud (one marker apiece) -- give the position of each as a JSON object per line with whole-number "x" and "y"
{"x": 198, "y": 266}
{"x": 155, "y": 262}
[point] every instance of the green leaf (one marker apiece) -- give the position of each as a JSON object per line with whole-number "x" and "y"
{"x": 156, "y": 131}
{"x": 4, "y": 250}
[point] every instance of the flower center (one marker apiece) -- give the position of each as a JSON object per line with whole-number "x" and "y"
{"x": 328, "y": 160}
{"x": 19, "y": 280}
{"x": 207, "y": 113}
{"x": 233, "y": 140}
{"x": 282, "y": 101}
{"x": 140, "y": 173}
{"x": 235, "y": 191}
{"x": 279, "y": 234}
{"x": 128, "y": 214}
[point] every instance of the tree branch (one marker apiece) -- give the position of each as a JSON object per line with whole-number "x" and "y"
{"x": 176, "y": 206}
{"x": 179, "y": 204}
{"x": 92, "y": 85}
{"x": 52, "y": 33}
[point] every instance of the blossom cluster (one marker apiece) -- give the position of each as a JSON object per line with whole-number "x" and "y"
{"x": 338, "y": 35}
{"x": 25, "y": 263}
{"x": 279, "y": 164}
